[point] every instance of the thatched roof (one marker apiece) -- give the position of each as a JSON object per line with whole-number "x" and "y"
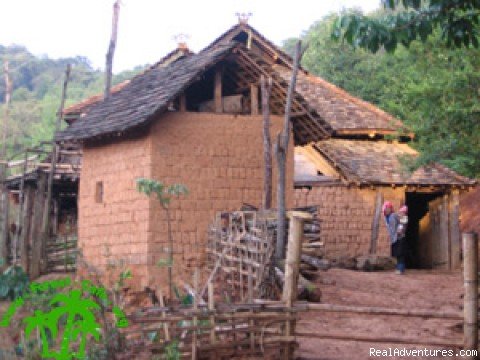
{"x": 382, "y": 162}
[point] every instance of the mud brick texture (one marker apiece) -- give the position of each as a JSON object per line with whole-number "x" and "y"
{"x": 346, "y": 215}
{"x": 218, "y": 157}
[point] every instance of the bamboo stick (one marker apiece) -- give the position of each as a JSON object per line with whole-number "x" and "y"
{"x": 384, "y": 311}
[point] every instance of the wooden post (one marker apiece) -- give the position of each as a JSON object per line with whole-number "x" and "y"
{"x": 281, "y": 151}
{"x": 292, "y": 269}
{"x": 25, "y": 225}
{"x": 35, "y": 234}
{"x": 454, "y": 215}
{"x": 267, "y": 142}
{"x": 183, "y": 102}
{"x": 195, "y": 308}
{"x": 48, "y": 202}
{"x": 376, "y": 222}
{"x": 217, "y": 93}
{"x": 211, "y": 307}
{"x": 254, "y": 99}
{"x": 111, "y": 49}
{"x": 470, "y": 299}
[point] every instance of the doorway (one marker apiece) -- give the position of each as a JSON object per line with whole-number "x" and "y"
{"x": 419, "y": 234}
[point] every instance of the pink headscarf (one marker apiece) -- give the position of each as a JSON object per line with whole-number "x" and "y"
{"x": 387, "y": 205}
{"x": 404, "y": 209}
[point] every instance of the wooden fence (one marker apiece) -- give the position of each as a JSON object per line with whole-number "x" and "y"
{"x": 248, "y": 330}
{"x": 240, "y": 253}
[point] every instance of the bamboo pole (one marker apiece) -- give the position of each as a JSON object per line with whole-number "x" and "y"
{"x": 470, "y": 299}
{"x": 384, "y": 311}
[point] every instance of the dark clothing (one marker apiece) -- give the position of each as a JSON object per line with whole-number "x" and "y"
{"x": 399, "y": 248}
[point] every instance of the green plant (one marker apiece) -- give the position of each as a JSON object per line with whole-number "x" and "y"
{"x": 172, "y": 351}
{"x": 164, "y": 194}
{"x": 13, "y": 282}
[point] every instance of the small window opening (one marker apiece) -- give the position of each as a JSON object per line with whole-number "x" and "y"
{"x": 99, "y": 192}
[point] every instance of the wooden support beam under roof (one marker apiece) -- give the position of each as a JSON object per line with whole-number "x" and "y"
{"x": 218, "y": 90}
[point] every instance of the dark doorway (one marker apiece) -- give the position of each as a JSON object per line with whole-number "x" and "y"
{"x": 417, "y": 203}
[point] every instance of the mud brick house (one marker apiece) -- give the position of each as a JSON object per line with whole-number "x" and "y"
{"x": 195, "y": 119}
{"x": 353, "y": 172}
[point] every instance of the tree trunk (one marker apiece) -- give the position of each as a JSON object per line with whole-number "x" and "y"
{"x": 281, "y": 151}
{"x": 267, "y": 142}
{"x": 111, "y": 50}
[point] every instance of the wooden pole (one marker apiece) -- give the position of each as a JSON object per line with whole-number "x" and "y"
{"x": 376, "y": 222}
{"x": 3, "y": 170}
{"x": 37, "y": 217}
{"x": 281, "y": 151}
{"x": 254, "y": 99}
{"x": 292, "y": 266}
{"x": 48, "y": 201}
{"x": 217, "y": 92}
{"x": 111, "y": 49}
{"x": 26, "y": 224}
{"x": 267, "y": 142}
{"x": 470, "y": 299}
{"x": 21, "y": 207}
{"x": 195, "y": 308}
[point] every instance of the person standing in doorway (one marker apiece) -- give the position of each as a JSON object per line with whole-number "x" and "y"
{"x": 392, "y": 222}
{"x": 399, "y": 248}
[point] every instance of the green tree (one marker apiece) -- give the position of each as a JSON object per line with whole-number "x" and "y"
{"x": 164, "y": 195}
{"x": 433, "y": 88}
{"x": 408, "y": 20}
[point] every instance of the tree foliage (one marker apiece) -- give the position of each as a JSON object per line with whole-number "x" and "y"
{"x": 408, "y": 20}
{"x": 432, "y": 87}
{"x": 37, "y": 87}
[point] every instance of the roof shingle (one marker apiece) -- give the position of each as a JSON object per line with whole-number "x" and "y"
{"x": 380, "y": 162}
{"x": 143, "y": 97}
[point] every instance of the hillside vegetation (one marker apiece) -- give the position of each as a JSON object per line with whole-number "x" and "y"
{"x": 433, "y": 89}
{"x": 37, "y": 87}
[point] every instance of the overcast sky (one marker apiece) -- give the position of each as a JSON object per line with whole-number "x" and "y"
{"x": 62, "y": 28}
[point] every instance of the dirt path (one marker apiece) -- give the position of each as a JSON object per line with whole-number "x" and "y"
{"x": 422, "y": 290}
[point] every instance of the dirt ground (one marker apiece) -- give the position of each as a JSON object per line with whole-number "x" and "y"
{"x": 420, "y": 290}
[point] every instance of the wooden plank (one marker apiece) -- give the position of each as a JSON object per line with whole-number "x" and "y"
{"x": 455, "y": 241}
{"x": 218, "y": 91}
{"x": 26, "y": 225}
{"x": 35, "y": 235}
{"x": 254, "y": 99}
